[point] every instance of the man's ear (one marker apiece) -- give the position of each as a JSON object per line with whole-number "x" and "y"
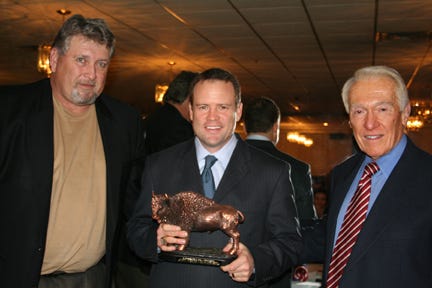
{"x": 190, "y": 111}
{"x": 405, "y": 114}
{"x": 54, "y": 55}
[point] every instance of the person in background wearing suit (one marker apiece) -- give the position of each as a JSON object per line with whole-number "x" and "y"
{"x": 170, "y": 124}
{"x": 320, "y": 203}
{"x": 393, "y": 217}
{"x": 262, "y": 124}
{"x": 65, "y": 150}
{"x": 246, "y": 178}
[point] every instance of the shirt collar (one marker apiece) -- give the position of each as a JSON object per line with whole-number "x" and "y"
{"x": 223, "y": 155}
{"x": 257, "y": 137}
{"x": 388, "y": 161}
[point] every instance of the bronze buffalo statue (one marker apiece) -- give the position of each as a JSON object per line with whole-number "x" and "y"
{"x": 194, "y": 212}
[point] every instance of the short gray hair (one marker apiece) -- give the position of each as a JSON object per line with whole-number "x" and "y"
{"x": 369, "y": 72}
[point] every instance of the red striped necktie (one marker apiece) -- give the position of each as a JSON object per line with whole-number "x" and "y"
{"x": 351, "y": 226}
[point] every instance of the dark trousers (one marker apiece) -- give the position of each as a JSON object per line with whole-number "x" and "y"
{"x": 132, "y": 276}
{"x": 94, "y": 277}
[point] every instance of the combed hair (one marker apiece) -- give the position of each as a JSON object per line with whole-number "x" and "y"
{"x": 372, "y": 72}
{"x": 91, "y": 28}
{"x": 260, "y": 115}
{"x": 178, "y": 89}
{"x": 217, "y": 74}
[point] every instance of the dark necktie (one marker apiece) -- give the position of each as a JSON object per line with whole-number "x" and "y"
{"x": 207, "y": 176}
{"x": 351, "y": 226}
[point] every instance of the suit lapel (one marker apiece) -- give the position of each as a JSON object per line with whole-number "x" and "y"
{"x": 189, "y": 175}
{"x": 385, "y": 207}
{"x": 347, "y": 174}
{"x": 108, "y": 128}
{"x": 40, "y": 143}
{"x": 236, "y": 170}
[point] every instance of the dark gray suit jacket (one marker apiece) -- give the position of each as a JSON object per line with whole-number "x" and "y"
{"x": 26, "y": 169}
{"x": 300, "y": 177}
{"x": 394, "y": 248}
{"x": 254, "y": 183}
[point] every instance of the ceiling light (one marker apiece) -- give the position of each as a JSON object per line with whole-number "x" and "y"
{"x": 295, "y": 137}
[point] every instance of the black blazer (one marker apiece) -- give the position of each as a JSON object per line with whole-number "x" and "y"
{"x": 26, "y": 169}
{"x": 165, "y": 128}
{"x": 254, "y": 182}
{"x": 394, "y": 248}
{"x": 300, "y": 177}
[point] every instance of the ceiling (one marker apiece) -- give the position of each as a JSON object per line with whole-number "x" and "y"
{"x": 298, "y": 52}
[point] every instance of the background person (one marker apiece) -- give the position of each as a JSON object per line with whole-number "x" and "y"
{"x": 262, "y": 124}
{"x": 320, "y": 203}
{"x": 170, "y": 124}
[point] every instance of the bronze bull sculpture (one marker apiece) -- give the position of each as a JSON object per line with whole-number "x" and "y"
{"x": 194, "y": 212}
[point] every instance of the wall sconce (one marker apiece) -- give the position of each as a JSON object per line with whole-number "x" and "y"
{"x": 160, "y": 90}
{"x": 295, "y": 137}
{"x": 43, "y": 64}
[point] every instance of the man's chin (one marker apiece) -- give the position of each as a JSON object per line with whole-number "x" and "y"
{"x": 83, "y": 101}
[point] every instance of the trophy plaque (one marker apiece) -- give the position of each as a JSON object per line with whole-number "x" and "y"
{"x": 195, "y": 213}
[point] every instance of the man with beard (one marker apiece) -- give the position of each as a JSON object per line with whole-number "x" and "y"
{"x": 65, "y": 152}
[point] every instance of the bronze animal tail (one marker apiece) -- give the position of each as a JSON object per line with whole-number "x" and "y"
{"x": 241, "y": 217}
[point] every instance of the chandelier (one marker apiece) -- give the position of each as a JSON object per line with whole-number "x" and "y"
{"x": 420, "y": 115}
{"x": 295, "y": 137}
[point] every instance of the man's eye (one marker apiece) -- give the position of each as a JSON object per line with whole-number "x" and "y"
{"x": 223, "y": 107}
{"x": 103, "y": 64}
{"x": 203, "y": 108}
{"x": 80, "y": 59}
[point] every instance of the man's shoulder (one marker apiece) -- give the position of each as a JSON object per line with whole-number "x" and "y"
{"x": 24, "y": 92}
{"x": 258, "y": 155}
{"x": 271, "y": 149}
{"x": 117, "y": 106}
{"x": 19, "y": 101}
{"x": 414, "y": 155}
{"x": 174, "y": 152}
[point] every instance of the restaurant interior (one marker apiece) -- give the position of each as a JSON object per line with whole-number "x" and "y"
{"x": 297, "y": 52}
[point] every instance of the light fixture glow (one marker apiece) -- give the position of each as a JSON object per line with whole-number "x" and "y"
{"x": 295, "y": 137}
{"x": 43, "y": 63}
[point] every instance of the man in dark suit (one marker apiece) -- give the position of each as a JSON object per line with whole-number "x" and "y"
{"x": 167, "y": 126}
{"x": 246, "y": 178}
{"x": 65, "y": 152}
{"x": 393, "y": 247}
{"x": 262, "y": 124}
{"x": 170, "y": 124}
